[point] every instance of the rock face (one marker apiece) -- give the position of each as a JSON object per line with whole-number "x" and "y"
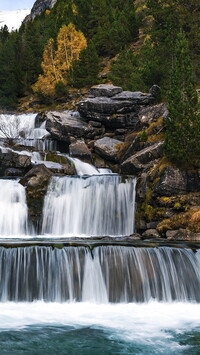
{"x": 139, "y": 161}
{"x": 79, "y": 149}
{"x": 112, "y": 106}
{"x": 38, "y": 7}
{"x": 172, "y": 182}
{"x": 107, "y": 148}
{"x": 148, "y": 115}
{"x": 11, "y": 159}
{"x": 36, "y": 182}
{"x": 62, "y": 125}
{"x": 105, "y": 90}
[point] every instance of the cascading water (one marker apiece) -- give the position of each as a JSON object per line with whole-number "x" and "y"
{"x": 88, "y": 299}
{"x": 14, "y": 212}
{"x": 23, "y": 129}
{"x": 93, "y": 206}
{"x": 109, "y": 274}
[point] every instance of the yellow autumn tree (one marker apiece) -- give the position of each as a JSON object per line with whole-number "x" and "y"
{"x": 56, "y": 64}
{"x": 70, "y": 43}
{"x": 46, "y": 81}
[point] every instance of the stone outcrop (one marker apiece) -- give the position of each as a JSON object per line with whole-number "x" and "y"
{"x": 142, "y": 159}
{"x": 63, "y": 125}
{"x": 112, "y": 106}
{"x": 36, "y": 182}
{"x": 173, "y": 181}
{"x": 79, "y": 149}
{"x": 107, "y": 148}
{"x": 11, "y": 159}
{"x": 38, "y": 7}
{"x": 150, "y": 114}
{"x": 105, "y": 90}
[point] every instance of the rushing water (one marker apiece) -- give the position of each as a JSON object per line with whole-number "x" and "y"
{"x": 97, "y": 205}
{"x": 108, "y": 274}
{"x": 13, "y": 209}
{"x": 82, "y": 300}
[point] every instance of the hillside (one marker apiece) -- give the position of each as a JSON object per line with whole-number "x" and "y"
{"x": 128, "y": 44}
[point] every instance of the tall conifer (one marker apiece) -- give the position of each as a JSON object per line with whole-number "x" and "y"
{"x": 183, "y": 124}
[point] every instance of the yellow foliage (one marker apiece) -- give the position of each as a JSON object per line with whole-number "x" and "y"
{"x": 69, "y": 43}
{"x": 74, "y": 9}
{"x": 47, "y": 12}
{"x": 195, "y": 218}
{"x": 55, "y": 64}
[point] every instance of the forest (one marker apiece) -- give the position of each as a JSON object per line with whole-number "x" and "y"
{"x": 80, "y": 43}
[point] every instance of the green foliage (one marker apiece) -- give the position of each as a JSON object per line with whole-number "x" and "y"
{"x": 183, "y": 125}
{"x": 125, "y": 73}
{"x": 84, "y": 72}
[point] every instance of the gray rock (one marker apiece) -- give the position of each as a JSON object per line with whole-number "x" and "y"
{"x": 107, "y": 148}
{"x": 139, "y": 161}
{"x": 12, "y": 159}
{"x": 150, "y": 114}
{"x": 136, "y": 97}
{"x": 38, "y": 7}
{"x": 155, "y": 91}
{"x": 103, "y": 105}
{"x": 173, "y": 181}
{"x": 36, "y": 182}
{"x": 62, "y": 125}
{"x": 182, "y": 234}
{"x": 80, "y": 150}
{"x": 105, "y": 90}
{"x": 150, "y": 234}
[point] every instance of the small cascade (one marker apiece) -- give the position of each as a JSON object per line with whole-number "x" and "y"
{"x": 22, "y": 128}
{"x": 83, "y": 168}
{"x": 93, "y": 206}
{"x": 14, "y": 213}
{"x": 114, "y": 274}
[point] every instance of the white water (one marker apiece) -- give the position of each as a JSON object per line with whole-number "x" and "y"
{"x": 109, "y": 274}
{"x": 22, "y": 128}
{"x": 83, "y": 168}
{"x": 13, "y": 209}
{"x": 141, "y": 323}
{"x": 93, "y": 206}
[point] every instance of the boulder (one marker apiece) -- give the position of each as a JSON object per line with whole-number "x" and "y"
{"x": 107, "y": 148}
{"x": 80, "y": 150}
{"x": 135, "y": 97}
{"x": 142, "y": 159}
{"x": 182, "y": 234}
{"x": 12, "y": 159}
{"x": 103, "y": 105}
{"x": 173, "y": 181}
{"x": 150, "y": 234}
{"x": 150, "y": 114}
{"x": 105, "y": 90}
{"x": 62, "y": 125}
{"x": 36, "y": 182}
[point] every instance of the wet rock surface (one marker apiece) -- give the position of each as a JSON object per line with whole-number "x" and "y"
{"x": 79, "y": 149}
{"x": 36, "y": 182}
{"x": 107, "y": 148}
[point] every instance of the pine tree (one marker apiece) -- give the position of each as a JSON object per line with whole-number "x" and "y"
{"x": 84, "y": 72}
{"x": 183, "y": 125}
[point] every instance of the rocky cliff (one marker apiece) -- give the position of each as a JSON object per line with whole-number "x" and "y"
{"x": 38, "y": 7}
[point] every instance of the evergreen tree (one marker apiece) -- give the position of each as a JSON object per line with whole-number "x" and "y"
{"x": 183, "y": 125}
{"x": 84, "y": 72}
{"x": 124, "y": 72}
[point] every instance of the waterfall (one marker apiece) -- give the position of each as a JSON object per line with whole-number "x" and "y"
{"x": 114, "y": 274}
{"x": 94, "y": 206}
{"x": 14, "y": 213}
{"x": 23, "y": 129}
